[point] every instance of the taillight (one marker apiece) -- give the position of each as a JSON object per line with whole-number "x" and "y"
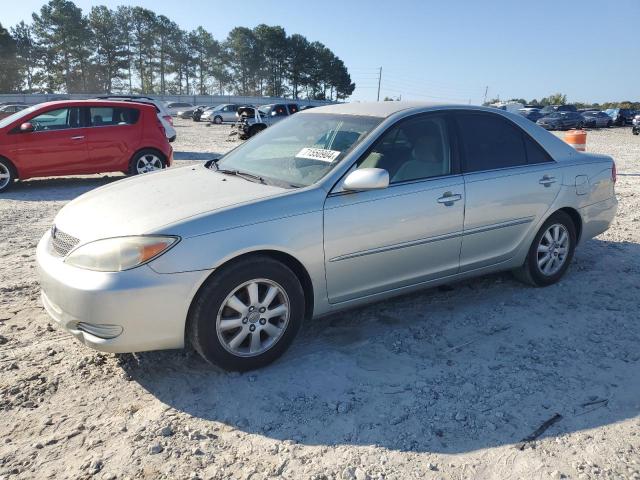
{"x": 169, "y": 119}
{"x": 614, "y": 172}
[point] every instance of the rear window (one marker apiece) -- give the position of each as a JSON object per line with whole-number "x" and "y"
{"x": 110, "y": 116}
{"x": 490, "y": 142}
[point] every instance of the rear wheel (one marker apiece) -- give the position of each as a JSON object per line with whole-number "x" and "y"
{"x": 146, "y": 161}
{"x": 247, "y": 315}
{"x": 550, "y": 253}
{"x": 7, "y": 175}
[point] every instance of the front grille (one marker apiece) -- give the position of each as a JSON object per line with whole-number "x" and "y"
{"x": 61, "y": 242}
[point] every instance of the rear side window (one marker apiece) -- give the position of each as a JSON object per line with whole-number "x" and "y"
{"x": 110, "y": 116}
{"x": 489, "y": 142}
{"x": 535, "y": 153}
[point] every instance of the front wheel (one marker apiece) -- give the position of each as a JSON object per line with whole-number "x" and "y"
{"x": 550, "y": 253}
{"x": 246, "y": 315}
{"x": 146, "y": 161}
{"x": 217, "y": 119}
{"x": 6, "y": 175}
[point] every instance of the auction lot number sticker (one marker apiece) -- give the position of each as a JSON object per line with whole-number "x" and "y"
{"x": 318, "y": 154}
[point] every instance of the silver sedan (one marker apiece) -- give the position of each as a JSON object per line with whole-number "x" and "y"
{"x": 331, "y": 208}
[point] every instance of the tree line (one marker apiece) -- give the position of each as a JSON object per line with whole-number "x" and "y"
{"x": 131, "y": 49}
{"x": 561, "y": 99}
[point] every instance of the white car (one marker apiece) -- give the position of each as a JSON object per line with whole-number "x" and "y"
{"x": 220, "y": 113}
{"x": 163, "y": 114}
{"x": 174, "y": 107}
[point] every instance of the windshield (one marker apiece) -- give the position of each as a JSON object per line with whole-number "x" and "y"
{"x": 12, "y": 118}
{"x": 300, "y": 150}
{"x": 555, "y": 115}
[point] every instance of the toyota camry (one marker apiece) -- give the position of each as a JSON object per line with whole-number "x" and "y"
{"x": 331, "y": 208}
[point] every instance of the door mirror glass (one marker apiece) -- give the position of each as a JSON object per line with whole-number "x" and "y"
{"x": 367, "y": 179}
{"x": 27, "y": 127}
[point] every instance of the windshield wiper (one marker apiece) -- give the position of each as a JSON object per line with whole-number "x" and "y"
{"x": 237, "y": 173}
{"x": 246, "y": 175}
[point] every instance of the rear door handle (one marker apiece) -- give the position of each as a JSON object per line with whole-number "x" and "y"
{"x": 547, "y": 180}
{"x": 449, "y": 198}
{"x": 79, "y": 137}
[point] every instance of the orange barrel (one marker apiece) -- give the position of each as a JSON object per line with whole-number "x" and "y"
{"x": 577, "y": 139}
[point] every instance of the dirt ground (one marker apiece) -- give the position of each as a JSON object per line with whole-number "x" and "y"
{"x": 442, "y": 384}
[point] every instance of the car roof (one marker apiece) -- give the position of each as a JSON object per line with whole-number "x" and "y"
{"x": 386, "y": 109}
{"x": 372, "y": 109}
{"x": 102, "y": 103}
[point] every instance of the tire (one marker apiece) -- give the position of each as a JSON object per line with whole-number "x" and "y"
{"x": 232, "y": 347}
{"x": 7, "y": 175}
{"x": 147, "y": 160}
{"x": 609, "y": 124}
{"x": 541, "y": 276}
{"x": 217, "y": 119}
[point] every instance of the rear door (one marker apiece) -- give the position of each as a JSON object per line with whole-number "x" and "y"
{"x": 57, "y": 146}
{"x": 510, "y": 182}
{"x": 113, "y": 135}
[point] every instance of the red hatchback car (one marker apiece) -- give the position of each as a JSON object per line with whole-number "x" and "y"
{"x": 82, "y": 137}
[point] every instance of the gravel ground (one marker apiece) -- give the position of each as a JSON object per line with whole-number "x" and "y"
{"x": 446, "y": 383}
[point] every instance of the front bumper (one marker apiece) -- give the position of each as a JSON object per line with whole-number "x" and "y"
{"x": 131, "y": 311}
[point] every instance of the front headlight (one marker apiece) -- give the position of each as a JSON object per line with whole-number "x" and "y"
{"x": 119, "y": 253}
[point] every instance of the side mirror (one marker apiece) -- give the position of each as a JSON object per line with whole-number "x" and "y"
{"x": 27, "y": 127}
{"x": 367, "y": 179}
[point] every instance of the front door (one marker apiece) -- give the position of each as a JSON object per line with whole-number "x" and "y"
{"x": 407, "y": 233}
{"x": 510, "y": 181}
{"x": 57, "y": 146}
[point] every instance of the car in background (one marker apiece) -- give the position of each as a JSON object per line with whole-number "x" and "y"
{"x": 530, "y": 113}
{"x": 558, "y": 108}
{"x": 306, "y": 107}
{"x": 174, "y": 107}
{"x": 330, "y": 209}
{"x": 80, "y": 137}
{"x": 621, "y": 116}
{"x": 561, "y": 121}
{"x": 596, "y": 119}
{"x": 197, "y": 113}
{"x": 253, "y": 120}
{"x": 11, "y": 108}
{"x": 636, "y": 125}
{"x": 225, "y": 112}
{"x": 163, "y": 114}
{"x": 187, "y": 113}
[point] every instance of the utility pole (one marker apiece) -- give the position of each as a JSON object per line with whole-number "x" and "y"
{"x": 486, "y": 89}
{"x": 379, "y": 81}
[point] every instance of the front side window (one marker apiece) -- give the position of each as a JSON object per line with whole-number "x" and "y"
{"x": 110, "y": 116}
{"x": 59, "y": 119}
{"x": 490, "y": 142}
{"x": 300, "y": 150}
{"x": 415, "y": 149}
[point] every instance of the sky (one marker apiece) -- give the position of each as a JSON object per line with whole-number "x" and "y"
{"x": 449, "y": 50}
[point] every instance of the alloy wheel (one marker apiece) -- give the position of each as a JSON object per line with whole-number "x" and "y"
{"x": 5, "y": 176}
{"x": 148, "y": 163}
{"x": 253, "y": 317}
{"x": 553, "y": 248}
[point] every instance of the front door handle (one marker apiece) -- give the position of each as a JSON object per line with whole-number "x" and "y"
{"x": 547, "y": 180}
{"x": 449, "y": 198}
{"x": 79, "y": 137}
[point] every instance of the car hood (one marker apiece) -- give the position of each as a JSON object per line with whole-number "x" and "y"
{"x": 145, "y": 203}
